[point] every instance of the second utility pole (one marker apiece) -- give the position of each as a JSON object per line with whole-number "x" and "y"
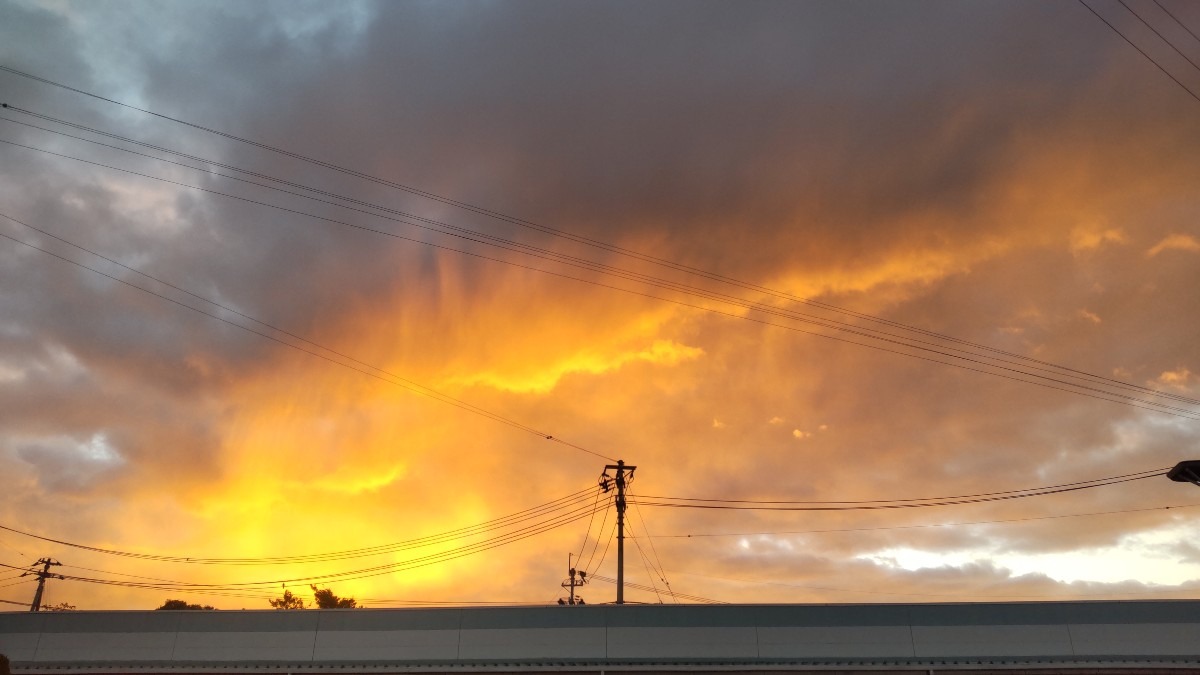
{"x": 42, "y": 575}
{"x": 620, "y": 480}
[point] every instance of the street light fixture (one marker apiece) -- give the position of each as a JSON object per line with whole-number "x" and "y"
{"x": 1186, "y": 472}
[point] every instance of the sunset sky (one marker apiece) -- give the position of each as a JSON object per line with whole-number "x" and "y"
{"x": 1012, "y": 175}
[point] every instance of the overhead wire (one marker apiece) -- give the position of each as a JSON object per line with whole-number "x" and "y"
{"x": 20, "y": 553}
{"x": 593, "y": 515}
{"x": 921, "y": 525}
{"x": 561, "y": 504}
{"x": 416, "y": 192}
{"x": 1181, "y": 24}
{"x": 398, "y": 381}
{"x": 526, "y": 249}
{"x": 603, "y": 245}
{"x": 646, "y": 564}
{"x": 1078, "y": 388}
{"x": 648, "y": 589}
{"x": 591, "y": 521}
{"x": 1120, "y": 398}
{"x": 506, "y": 218}
{"x": 1160, "y": 35}
{"x": 546, "y": 525}
{"x": 612, "y": 534}
{"x": 1141, "y": 51}
{"x": 1139, "y": 474}
{"x": 654, "y": 549}
{"x": 650, "y": 575}
{"x": 582, "y": 263}
{"x": 599, "y": 535}
{"x": 804, "y": 506}
{"x": 350, "y": 575}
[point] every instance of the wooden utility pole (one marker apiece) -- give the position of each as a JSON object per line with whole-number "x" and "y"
{"x": 42, "y": 575}
{"x": 624, "y": 474}
{"x": 576, "y": 579}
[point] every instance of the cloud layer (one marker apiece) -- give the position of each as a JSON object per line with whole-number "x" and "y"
{"x": 1011, "y": 174}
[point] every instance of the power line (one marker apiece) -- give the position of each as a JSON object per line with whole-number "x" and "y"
{"x": 1141, "y": 474}
{"x": 525, "y": 515}
{"x": 1160, "y": 35}
{"x": 599, "y": 535}
{"x": 549, "y": 230}
{"x": 402, "y": 382}
{"x": 550, "y": 523}
{"x": 1181, "y": 24}
{"x": 648, "y": 589}
{"x": 774, "y": 506}
{"x": 525, "y": 249}
{"x": 1140, "y": 51}
{"x": 361, "y": 601}
{"x": 612, "y": 534}
{"x": 591, "y": 521}
{"x": 350, "y": 575}
{"x": 582, "y": 263}
{"x": 654, "y": 549}
{"x": 919, "y": 526}
{"x": 648, "y": 565}
{"x": 1079, "y": 389}
{"x": 650, "y": 575}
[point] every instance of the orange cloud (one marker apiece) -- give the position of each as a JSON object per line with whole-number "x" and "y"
{"x": 543, "y": 377}
{"x": 1174, "y": 242}
{"x": 1089, "y": 238}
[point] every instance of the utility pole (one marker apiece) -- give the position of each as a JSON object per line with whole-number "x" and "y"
{"x": 42, "y": 575}
{"x": 572, "y": 583}
{"x": 624, "y": 474}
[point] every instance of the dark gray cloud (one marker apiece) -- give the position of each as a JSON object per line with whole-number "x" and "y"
{"x": 997, "y": 171}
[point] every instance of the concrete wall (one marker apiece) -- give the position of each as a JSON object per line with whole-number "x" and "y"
{"x": 1074, "y": 632}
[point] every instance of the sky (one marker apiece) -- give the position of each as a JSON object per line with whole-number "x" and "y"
{"x": 679, "y": 191}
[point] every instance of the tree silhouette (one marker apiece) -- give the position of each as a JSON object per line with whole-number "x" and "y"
{"x": 325, "y": 599}
{"x": 288, "y": 601}
{"x": 60, "y": 607}
{"x": 181, "y": 604}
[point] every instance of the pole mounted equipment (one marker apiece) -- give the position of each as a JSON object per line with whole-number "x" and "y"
{"x": 624, "y": 474}
{"x": 1186, "y": 472}
{"x": 42, "y": 575}
{"x": 577, "y": 579}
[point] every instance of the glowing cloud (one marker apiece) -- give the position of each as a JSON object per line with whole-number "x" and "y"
{"x": 1090, "y": 238}
{"x": 543, "y": 377}
{"x": 1175, "y": 242}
